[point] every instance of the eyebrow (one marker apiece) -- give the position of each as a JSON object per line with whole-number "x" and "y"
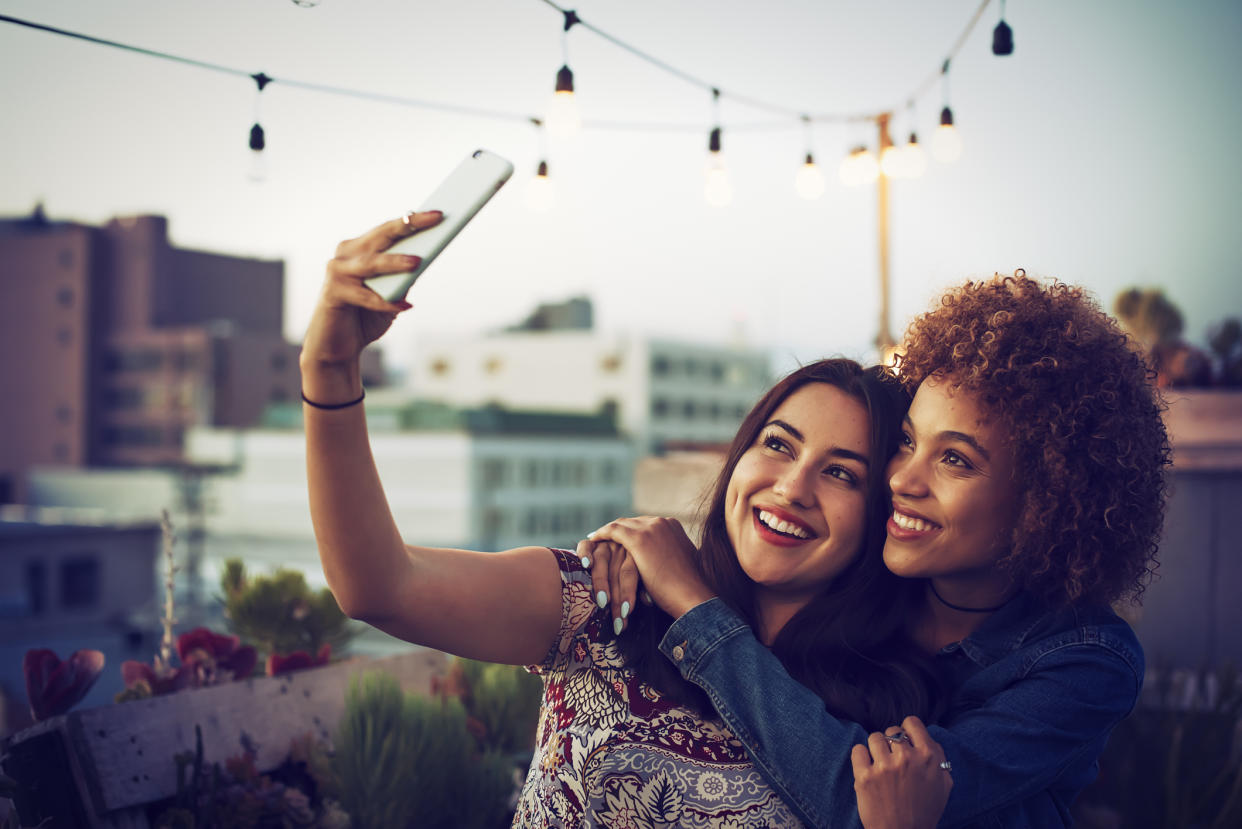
{"x": 961, "y": 437}
{"x": 835, "y": 451}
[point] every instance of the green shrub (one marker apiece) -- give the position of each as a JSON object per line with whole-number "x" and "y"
{"x": 402, "y": 760}
{"x": 280, "y": 614}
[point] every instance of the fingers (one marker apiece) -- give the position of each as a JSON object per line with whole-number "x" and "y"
{"x": 601, "y": 560}
{"x": 917, "y": 732}
{"x": 880, "y": 747}
{"x": 346, "y": 293}
{"x": 383, "y": 236}
{"x": 625, "y": 589}
{"x": 860, "y": 759}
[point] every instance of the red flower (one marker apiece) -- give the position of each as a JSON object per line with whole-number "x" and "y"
{"x": 52, "y": 686}
{"x": 212, "y": 652}
{"x": 296, "y": 661}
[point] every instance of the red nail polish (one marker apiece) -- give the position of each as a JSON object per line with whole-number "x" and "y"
{"x": 403, "y": 305}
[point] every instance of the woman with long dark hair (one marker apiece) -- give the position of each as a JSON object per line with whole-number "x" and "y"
{"x": 623, "y": 739}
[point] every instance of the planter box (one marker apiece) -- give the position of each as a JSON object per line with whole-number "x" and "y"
{"x": 100, "y": 767}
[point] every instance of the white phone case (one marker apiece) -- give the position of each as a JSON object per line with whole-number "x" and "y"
{"x": 460, "y": 196}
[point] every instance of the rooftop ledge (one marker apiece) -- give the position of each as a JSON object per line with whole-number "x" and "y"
{"x": 1205, "y": 428}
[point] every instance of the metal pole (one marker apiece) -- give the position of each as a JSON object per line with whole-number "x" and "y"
{"x": 884, "y": 338}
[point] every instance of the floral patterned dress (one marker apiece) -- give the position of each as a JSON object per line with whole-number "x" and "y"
{"x": 611, "y": 751}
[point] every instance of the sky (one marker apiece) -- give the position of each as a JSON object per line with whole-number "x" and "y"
{"x": 1102, "y": 152}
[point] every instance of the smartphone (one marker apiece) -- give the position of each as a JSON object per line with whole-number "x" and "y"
{"x": 460, "y": 196}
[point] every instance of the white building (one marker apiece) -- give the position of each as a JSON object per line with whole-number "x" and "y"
{"x": 485, "y": 479}
{"x": 665, "y": 393}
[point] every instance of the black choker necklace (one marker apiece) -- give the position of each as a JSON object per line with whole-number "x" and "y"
{"x": 949, "y": 604}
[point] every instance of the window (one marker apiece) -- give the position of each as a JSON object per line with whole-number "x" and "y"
{"x": 492, "y": 473}
{"x": 611, "y": 363}
{"x": 133, "y": 436}
{"x": 610, "y": 472}
{"x": 79, "y": 583}
{"x": 659, "y": 366}
{"x": 659, "y": 407}
{"x": 440, "y": 366}
{"x": 717, "y": 371}
{"x": 279, "y": 360}
{"x": 64, "y": 296}
{"x": 493, "y": 365}
{"x": 138, "y": 359}
{"x": 532, "y": 473}
{"x": 125, "y": 397}
{"x": 688, "y": 409}
{"x": 36, "y": 587}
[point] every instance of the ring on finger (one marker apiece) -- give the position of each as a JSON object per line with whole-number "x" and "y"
{"x": 898, "y": 737}
{"x": 946, "y": 765}
{"x": 406, "y": 218}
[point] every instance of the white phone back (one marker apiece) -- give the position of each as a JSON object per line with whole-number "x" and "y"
{"x": 460, "y": 196}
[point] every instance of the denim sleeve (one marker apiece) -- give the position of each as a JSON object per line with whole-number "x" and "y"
{"x": 1007, "y": 751}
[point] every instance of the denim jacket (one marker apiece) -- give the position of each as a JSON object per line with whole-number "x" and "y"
{"x": 1034, "y": 695}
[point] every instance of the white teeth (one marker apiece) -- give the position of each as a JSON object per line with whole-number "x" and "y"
{"x": 782, "y": 526}
{"x": 909, "y": 522}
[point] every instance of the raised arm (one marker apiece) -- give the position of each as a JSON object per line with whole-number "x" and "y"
{"x": 500, "y": 607}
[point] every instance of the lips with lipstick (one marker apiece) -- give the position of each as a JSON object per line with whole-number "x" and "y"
{"x": 781, "y": 528}
{"x": 906, "y": 526}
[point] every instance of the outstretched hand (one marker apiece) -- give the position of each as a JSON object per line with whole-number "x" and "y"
{"x": 349, "y": 315}
{"x": 649, "y": 553}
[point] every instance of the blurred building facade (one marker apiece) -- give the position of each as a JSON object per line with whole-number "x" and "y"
{"x": 113, "y": 343}
{"x": 70, "y": 581}
{"x": 666, "y": 394}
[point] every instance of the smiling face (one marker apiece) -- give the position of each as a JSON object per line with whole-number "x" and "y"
{"x": 795, "y": 504}
{"x": 955, "y": 496}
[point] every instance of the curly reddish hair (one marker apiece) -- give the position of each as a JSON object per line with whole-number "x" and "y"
{"x": 1085, "y": 418}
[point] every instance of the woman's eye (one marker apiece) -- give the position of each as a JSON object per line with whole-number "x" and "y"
{"x": 905, "y": 441}
{"x": 954, "y": 459}
{"x": 774, "y": 443}
{"x": 841, "y": 473}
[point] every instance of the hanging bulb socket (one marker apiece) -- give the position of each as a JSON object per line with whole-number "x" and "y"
{"x": 257, "y": 142}
{"x": 565, "y": 80}
{"x": 713, "y": 141}
{"x": 1002, "y": 39}
{"x": 946, "y": 117}
{"x": 542, "y": 169}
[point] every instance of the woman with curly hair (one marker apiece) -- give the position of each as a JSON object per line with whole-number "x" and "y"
{"x": 1027, "y": 497}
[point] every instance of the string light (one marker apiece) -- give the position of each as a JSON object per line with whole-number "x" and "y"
{"x": 563, "y": 118}
{"x": 258, "y": 142}
{"x": 1002, "y": 35}
{"x": 717, "y": 188}
{"x": 861, "y": 165}
{"x": 946, "y": 144}
{"x": 913, "y": 159}
{"x": 306, "y": 4}
{"x": 540, "y": 194}
{"x": 809, "y": 182}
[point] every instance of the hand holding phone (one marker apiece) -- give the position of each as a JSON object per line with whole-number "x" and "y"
{"x": 459, "y": 197}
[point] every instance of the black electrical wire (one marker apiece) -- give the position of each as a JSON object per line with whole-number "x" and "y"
{"x": 796, "y": 116}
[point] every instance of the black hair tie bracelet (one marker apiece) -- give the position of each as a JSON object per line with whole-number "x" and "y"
{"x": 330, "y": 406}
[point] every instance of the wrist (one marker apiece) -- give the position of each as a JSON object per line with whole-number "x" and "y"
{"x": 331, "y": 383}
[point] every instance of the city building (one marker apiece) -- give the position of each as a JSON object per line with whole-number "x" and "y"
{"x": 113, "y": 343}
{"x": 68, "y": 581}
{"x": 666, "y": 394}
{"x": 476, "y": 478}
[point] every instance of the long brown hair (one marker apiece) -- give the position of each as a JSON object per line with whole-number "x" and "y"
{"x": 848, "y": 644}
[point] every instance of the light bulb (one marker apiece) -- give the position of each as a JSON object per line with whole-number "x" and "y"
{"x": 563, "y": 119}
{"x": 868, "y": 166}
{"x": 850, "y": 175}
{"x": 890, "y": 162}
{"x": 540, "y": 194}
{"x": 946, "y": 144}
{"x": 717, "y": 188}
{"x": 914, "y": 160}
{"x": 810, "y": 180}
{"x": 258, "y": 165}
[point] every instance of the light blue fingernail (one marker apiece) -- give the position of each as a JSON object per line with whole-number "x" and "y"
{"x": 601, "y": 599}
{"x": 625, "y": 609}
{"x": 616, "y": 626}
{"x": 586, "y": 562}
